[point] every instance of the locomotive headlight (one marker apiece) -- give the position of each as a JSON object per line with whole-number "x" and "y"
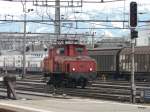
{"x": 91, "y": 69}
{"x": 73, "y": 69}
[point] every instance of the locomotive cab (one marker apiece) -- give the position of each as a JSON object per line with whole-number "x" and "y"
{"x": 70, "y": 64}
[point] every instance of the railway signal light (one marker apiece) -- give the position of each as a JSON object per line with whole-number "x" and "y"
{"x": 45, "y": 49}
{"x": 27, "y": 48}
{"x": 133, "y": 14}
{"x": 134, "y": 34}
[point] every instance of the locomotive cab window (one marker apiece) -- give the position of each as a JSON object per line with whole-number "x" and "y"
{"x": 61, "y": 51}
{"x": 79, "y": 50}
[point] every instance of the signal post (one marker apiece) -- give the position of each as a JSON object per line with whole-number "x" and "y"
{"x": 134, "y": 34}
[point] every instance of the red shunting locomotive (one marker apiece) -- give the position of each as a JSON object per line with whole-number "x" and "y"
{"x": 69, "y": 65}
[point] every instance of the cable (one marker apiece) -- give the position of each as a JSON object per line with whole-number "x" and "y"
{"x": 65, "y": 1}
{"x": 48, "y": 14}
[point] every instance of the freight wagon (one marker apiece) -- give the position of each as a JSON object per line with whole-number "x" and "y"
{"x": 116, "y": 62}
{"x": 142, "y": 62}
{"x": 107, "y": 61}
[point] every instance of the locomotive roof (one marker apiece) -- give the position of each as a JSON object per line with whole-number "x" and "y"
{"x": 138, "y": 50}
{"x": 62, "y": 45}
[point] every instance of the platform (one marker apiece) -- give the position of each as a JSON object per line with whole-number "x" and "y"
{"x": 70, "y": 105}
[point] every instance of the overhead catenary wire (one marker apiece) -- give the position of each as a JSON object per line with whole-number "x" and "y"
{"x": 83, "y": 1}
{"x": 106, "y": 26}
{"x": 76, "y": 20}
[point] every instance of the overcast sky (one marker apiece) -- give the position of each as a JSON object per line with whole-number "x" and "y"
{"x": 112, "y": 10}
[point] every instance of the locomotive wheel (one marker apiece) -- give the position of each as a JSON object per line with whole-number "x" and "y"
{"x": 82, "y": 82}
{"x": 67, "y": 83}
{"x": 64, "y": 84}
{"x": 71, "y": 83}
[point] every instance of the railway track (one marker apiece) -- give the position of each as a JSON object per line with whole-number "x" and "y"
{"x": 112, "y": 90}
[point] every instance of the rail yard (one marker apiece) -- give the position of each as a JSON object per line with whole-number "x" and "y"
{"x": 33, "y": 88}
{"x": 113, "y": 90}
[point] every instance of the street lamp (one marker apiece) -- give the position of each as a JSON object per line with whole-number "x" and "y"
{"x": 24, "y": 38}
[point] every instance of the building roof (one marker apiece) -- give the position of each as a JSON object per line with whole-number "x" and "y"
{"x": 112, "y": 42}
{"x": 138, "y": 50}
{"x": 10, "y": 52}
